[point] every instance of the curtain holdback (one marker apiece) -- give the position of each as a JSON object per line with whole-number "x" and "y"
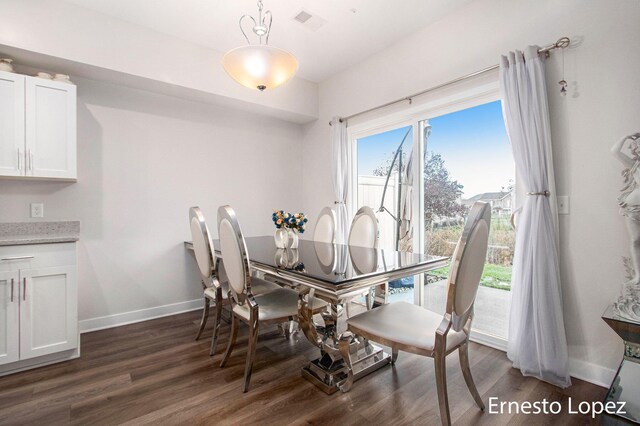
{"x": 545, "y": 193}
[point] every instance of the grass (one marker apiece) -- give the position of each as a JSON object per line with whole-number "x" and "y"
{"x": 497, "y": 270}
{"x": 494, "y": 276}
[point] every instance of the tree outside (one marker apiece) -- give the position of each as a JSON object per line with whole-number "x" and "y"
{"x": 444, "y": 220}
{"x": 441, "y": 192}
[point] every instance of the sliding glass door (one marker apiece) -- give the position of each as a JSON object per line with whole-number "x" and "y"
{"x": 421, "y": 175}
{"x": 468, "y": 159}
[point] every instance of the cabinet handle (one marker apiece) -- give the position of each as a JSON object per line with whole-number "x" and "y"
{"x": 19, "y": 161}
{"x": 12, "y": 289}
{"x": 17, "y": 258}
{"x": 30, "y": 160}
{"x": 24, "y": 288}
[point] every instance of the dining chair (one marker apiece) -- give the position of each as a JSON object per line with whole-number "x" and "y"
{"x": 364, "y": 231}
{"x": 325, "y": 230}
{"x": 253, "y": 309}
{"x": 410, "y": 328}
{"x": 215, "y": 291}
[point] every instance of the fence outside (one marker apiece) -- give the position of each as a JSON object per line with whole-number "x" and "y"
{"x": 370, "y": 189}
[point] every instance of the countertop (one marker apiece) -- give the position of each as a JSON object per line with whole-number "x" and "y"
{"x": 20, "y": 233}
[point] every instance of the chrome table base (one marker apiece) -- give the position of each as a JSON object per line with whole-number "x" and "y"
{"x": 329, "y": 371}
{"x": 327, "y": 374}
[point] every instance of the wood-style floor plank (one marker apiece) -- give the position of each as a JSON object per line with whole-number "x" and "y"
{"x": 155, "y": 373}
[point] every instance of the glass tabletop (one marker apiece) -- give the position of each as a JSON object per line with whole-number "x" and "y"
{"x": 335, "y": 263}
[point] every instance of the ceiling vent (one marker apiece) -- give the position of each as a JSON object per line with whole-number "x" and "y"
{"x": 309, "y": 20}
{"x": 302, "y": 17}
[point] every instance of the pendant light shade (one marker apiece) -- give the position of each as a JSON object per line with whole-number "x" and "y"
{"x": 260, "y": 66}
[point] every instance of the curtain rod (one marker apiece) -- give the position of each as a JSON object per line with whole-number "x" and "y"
{"x": 562, "y": 43}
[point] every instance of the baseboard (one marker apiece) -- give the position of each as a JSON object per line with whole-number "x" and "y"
{"x": 116, "y": 320}
{"x": 592, "y": 373}
{"x": 488, "y": 340}
{"x": 41, "y": 361}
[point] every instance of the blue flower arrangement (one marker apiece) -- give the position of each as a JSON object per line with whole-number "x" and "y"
{"x": 293, "y": 221}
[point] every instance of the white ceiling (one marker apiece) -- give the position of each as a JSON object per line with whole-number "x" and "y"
{"x": 344, "y": 40}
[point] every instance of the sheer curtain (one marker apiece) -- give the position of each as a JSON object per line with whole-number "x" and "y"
{"x": 537, "y": 341}
{"x": 341, "y": 159}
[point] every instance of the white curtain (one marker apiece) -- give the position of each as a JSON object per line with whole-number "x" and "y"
{"x": 341, "y": 160}
{"x": 537, "y": 341}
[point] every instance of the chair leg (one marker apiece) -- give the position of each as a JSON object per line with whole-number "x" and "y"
{"x": 232, "y": 340}
{"x": 251, "y": 354}
{"x": 463, "y": 352}
{"x": 441, "y": 385}
{"x": 216, "y": 326}
{"x": 394, "y": 356}
{"x": 205, "y": 316}
{"x": 344, "y": 345}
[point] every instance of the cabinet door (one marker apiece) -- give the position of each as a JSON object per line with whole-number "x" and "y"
{"x": 50, "y": 128}
{"x": 48, "y": 311}
{"x": 12, "y": 124}
{"x": 9, "y": 325}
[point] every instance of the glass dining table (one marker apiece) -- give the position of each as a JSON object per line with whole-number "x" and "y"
{"x": 337, "y": 274}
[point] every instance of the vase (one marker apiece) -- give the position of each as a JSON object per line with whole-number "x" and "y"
{"x": 5, "y": 65}
{"x": 292, "y": 241}
{"x": 61, "y": 77}
{"x": 281, "y": 238}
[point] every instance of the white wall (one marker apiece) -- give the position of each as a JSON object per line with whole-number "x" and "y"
{"x": 143, "y": 160}
{"x": 603, "y": 105}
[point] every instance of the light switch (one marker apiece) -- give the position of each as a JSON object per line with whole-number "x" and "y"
{"x": 37, "y": 210}
{"x": 563, "y": 204}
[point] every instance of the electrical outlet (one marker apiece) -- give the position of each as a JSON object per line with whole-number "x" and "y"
{"x": 37, "y": 210}
{"x": 563, "y": 204}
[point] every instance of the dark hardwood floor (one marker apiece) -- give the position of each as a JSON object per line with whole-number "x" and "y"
{"x": 155, "y": 373}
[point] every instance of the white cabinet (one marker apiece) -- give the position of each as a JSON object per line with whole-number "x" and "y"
{"x": 12, "y": 123}
{"x": 50, "y": 128}
{"x": 37, "y": 127}
{"x": 48, "y": 311}
{"x": 9, "y": 317}
{"x": 38, "y": 302}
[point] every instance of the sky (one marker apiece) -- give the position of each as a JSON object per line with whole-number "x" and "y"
{"x": 473, "y": 143}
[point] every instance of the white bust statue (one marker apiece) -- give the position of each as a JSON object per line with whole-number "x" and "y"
{"x": 627, "y": 151}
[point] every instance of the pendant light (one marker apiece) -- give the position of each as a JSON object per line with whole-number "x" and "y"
{"x": 259, "y": 66}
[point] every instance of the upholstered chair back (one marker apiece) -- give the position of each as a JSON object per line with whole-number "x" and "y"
{"x": 467, "y": 264}
{"x": 234, "y": 253}
{"x": 364, "y": 229}
{"x": 325, "y": 231}
{"x": 202, "y": 245}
